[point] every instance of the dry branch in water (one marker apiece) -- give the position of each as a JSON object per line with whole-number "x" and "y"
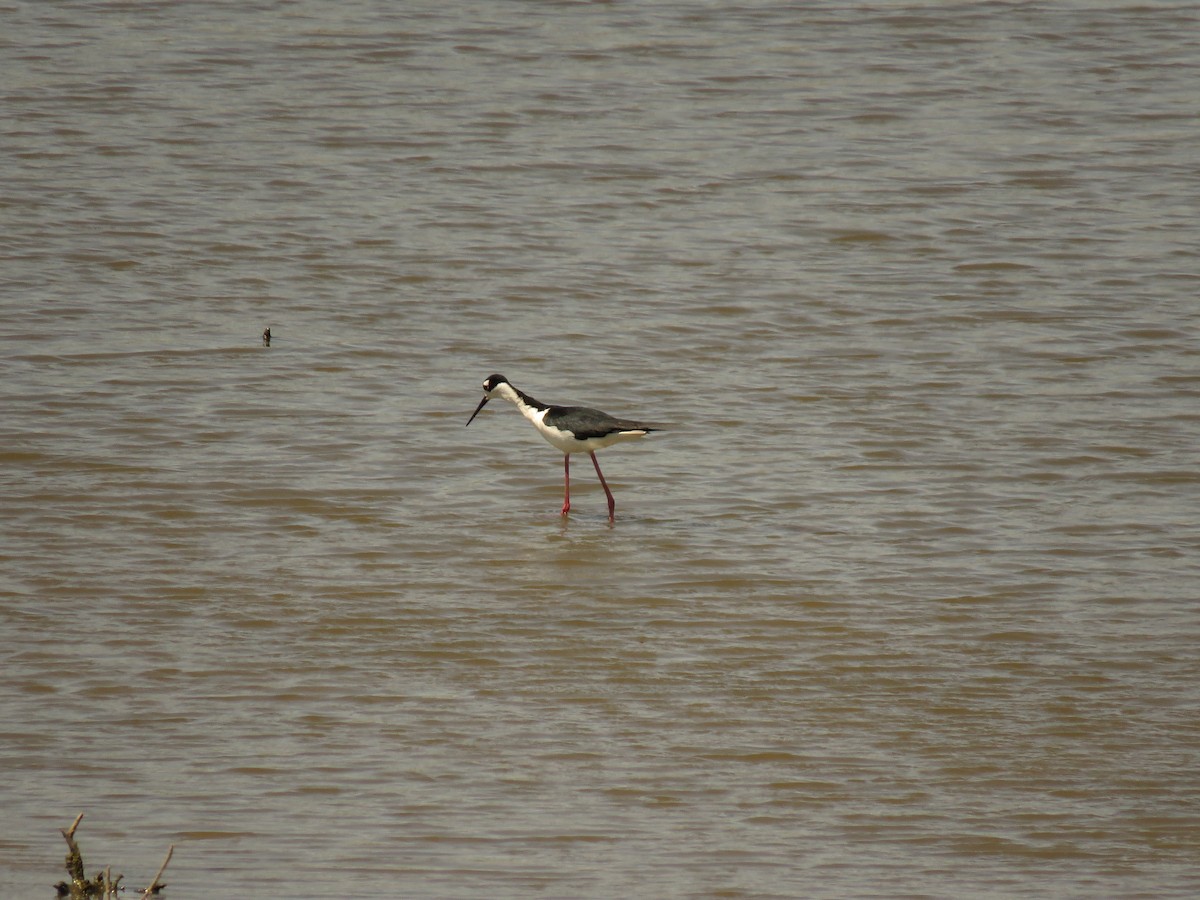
{"x": 155, "y": 885}
{"x": 103, "y": 886}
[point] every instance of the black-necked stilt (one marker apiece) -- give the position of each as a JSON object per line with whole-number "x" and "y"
{"x": 572, "y": 429}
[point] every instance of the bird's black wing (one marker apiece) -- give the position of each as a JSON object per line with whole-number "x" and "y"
{"x": 585, "y": 422}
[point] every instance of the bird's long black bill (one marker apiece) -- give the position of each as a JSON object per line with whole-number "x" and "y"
{"x": 482, "y": 404}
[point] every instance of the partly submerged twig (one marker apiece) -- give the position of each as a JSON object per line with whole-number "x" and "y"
{"x": 104, "y": 886}
{"x": 155, "y": 886}
{"x": 79, "y": 886}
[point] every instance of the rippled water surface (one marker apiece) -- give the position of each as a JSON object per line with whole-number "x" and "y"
{"x": 901, "y": 602}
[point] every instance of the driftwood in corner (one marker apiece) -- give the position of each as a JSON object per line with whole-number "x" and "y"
{"x": 103, "y": 886}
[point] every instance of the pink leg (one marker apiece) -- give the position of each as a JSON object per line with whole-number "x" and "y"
{"x": 566, "y": 483}
{"x": 612, "y": 504}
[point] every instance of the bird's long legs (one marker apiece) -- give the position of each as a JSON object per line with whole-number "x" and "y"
{"x": 566, "y": 507}
{"x": 612, "y": 504}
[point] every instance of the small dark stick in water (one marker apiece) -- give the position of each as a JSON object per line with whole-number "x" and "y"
{"x": 266, "y": 337}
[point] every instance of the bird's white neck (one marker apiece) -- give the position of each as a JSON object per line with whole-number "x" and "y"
{"x": 531, "y": 409}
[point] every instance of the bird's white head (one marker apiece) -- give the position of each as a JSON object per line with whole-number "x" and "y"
{"x": 491, "y": 388}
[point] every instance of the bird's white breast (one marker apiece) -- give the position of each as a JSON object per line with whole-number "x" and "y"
{"x": 563, "y": 440}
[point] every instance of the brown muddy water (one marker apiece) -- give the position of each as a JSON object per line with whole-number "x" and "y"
{"x": 902, "y": 603}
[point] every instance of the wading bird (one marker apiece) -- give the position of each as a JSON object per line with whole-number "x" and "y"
{"x": 572, "y": 429}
